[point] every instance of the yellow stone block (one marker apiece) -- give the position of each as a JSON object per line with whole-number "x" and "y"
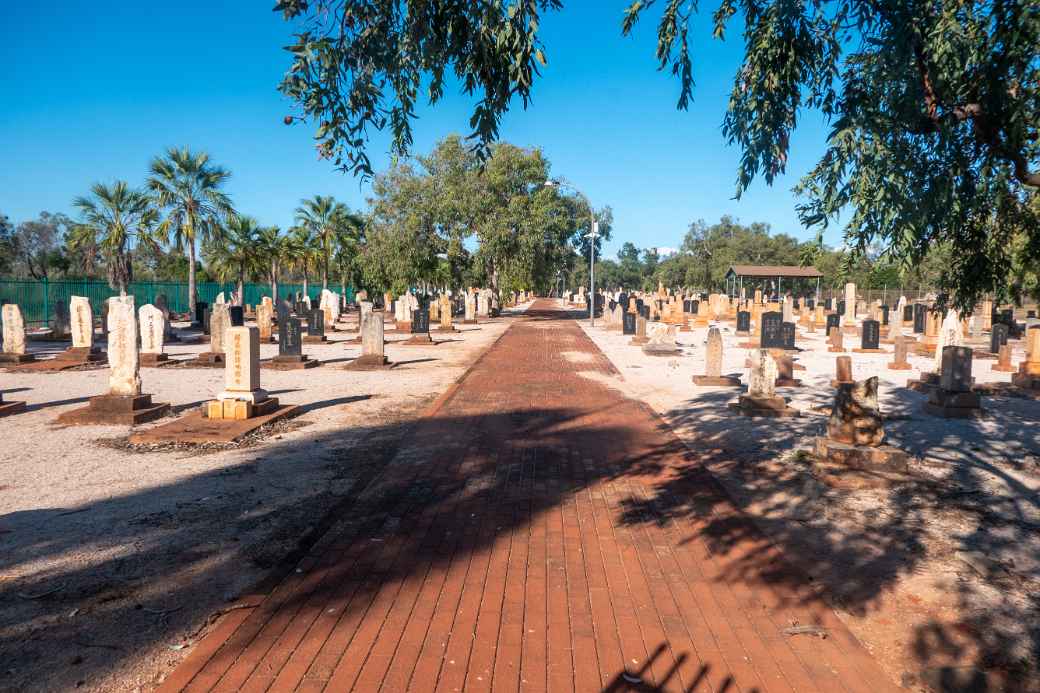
{"x": 215, "y": 409}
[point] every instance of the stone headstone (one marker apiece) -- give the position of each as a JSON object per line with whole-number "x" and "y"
{"x": 998, "y": 337}
{"x": 908, "y": 313}
{"x": 14, "y": 329}
{"x": 316, "y": 323}
{"x": 772, "y": 338}
{"x": 833, "y": 320}
{"x": 762, "y": 381}
{"x": 153, "y": 329}
{"x": 855, "y": 415}
{"x": 242, "y": 366}
{"x": 200, "y": 313}
{"x": 61, "y": 319}
{"x": 871, "y": 335}
{"x": 82, "y": 318}
{"x": 884, "y": 315}
{"x": 219, "y": 324}
{"x": 290, "y": 337}
{"x": 628, "y": 323}
{"x": 850, "y": 302}
{"x": 372, "y": 338}
{"x": 264, "y": 318}
{"x": 421, "y": 317}
{"x": 123, "y": 361}
{"x": 841, "y": 310}
{"x": 237, "y": 315}
{"x": 955, "y": 371}
{"x": 920, "y": 318}
{"x": 713, "y": 354}
{"x": 743, "y": 321}
{"x": 843, "y": 369}
{"x": 787, "y": 334}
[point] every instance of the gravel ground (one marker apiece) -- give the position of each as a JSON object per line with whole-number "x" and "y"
{"x": 938, "y": 574}
{"x": 113, "y": 562}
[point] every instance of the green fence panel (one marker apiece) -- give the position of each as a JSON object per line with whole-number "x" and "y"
{"x": 37, "y": 298}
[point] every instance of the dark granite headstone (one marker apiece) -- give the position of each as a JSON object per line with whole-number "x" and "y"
{"x": 238, "y": 316}
{"x": 871, "y": 334}
{"x": 421, "y": 316}
{"x": 772, "y": 338}
{"x": 200, "y": 313}
{"x": 833, "y": 320}
{"x": 787, "y": 334}
{"x": 841, "y": 307}
{"x": 622, "y": 300}
{"x": 743, "y": 321}
{"x": 628, "y": 323}
{"x": 955, "y": 373}
{"x": 612, "y": 305}
{"x": 687, "y": 306}
{"x": 1030, "y": 313}
{"x": 1007, "y": 316}
{"x": 998, "y": 337}
{"x": 644, "y": 310}
{"x": 290, "y": 341}
{"x": 316, "y": 323}
{"x": 639, "y": 306}
{"x": 884, "y": 315}
{"x": 829, "y": 304}
{"x": 810, "y": 303}
{"x": 920, "y": 318}
{"x": 205, "y": 320}
{"x": 695, "y": 307}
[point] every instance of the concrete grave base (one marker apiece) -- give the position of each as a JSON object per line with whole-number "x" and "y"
{"x": 81, "y": 355}
{"x": 835, "y": 350}
{"x": 953, "y": 405}
{"x": 44, "y": 366}
{"x": 150, "y": 360}
{"x": 651, "y": 350}
{"x": 8, "y": 408}
{"x": 772, "y": 407}
{"x": 314, "y": 339}
{"x": 418, "y": 340}
{"x": 115, "y": 409}
{"x": 742, "y": 333}
{"x": 638, "y": 341}
{"x": 6, "y": 357}
{"x": 194, "y": 428}
{"x": 711, "y": 381}
{"x": 209, "y": 359}
{"x": 1003, "y": 369}
{"x": 448, "y": 328}
{"x": 858, "y": 350}
{"x": 788, "y": 382}
{"x": 369, "y": 363}
{"x": 893, "y": 366}
{"x": 239, "y": 409}
{"x": 863, "y": 457}
{"x": 984, "y": 355}
{"x": 289, "y": 363}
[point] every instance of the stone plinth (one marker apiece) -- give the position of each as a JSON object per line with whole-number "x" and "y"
{"x": 209, "y": 359}
{"x": 80, "y": 355}
{"x": 115, "y": 409}
{"x": 153, "y": 360}
{"x": 953, "y": 405}
{"x": 240, "y": 409}
{"x": 863, "y": 457}
{"x": 315, "y": 339}
{"x": 773, "y": 407}
{"x": 369, "y": 362}
{"x": 290, "y": 362}
{"x": 716, "y": 381}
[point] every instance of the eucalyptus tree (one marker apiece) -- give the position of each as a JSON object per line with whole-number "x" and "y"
{"x": 325, "y": 219}
{"x": 113, "y": 219}
{"x": 934, "y": 106}
{"x": 189, "y": 188}
{"x": 236, "y": 251}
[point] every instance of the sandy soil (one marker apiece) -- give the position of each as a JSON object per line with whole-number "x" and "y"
{"x": 113, "y": 563}
{"x": 939, "y": 575}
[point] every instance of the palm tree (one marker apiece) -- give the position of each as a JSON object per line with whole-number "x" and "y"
{"x": 349, "y": 239}
{"x": 187, "y": 186}
{"x": 235, "y": 252}
{"x": 274, "y": 251}
{"x": 324, "y": 218}
{"x": 113, "y": 218}
{"x": 303, "y": 252}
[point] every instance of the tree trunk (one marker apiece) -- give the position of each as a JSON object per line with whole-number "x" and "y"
{"x": 241, "y": 288}
{"x": 191, "y": 278}
{"x": 305, "y": 293}
{"x": 274, "y": 281}
{"x": 325, "y": 272}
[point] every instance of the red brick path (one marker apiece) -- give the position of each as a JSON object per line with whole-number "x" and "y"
{"x": 514, "y": 544}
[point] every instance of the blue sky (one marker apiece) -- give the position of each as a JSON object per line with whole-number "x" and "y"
{"x": 91, "y": 91}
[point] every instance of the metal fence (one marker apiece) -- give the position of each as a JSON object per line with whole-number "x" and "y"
{"x": 36, "y": 299}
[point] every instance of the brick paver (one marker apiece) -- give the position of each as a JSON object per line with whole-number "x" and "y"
{"x": 514, "y": 544}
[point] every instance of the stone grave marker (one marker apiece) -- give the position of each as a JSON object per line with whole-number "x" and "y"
{"x": 870, "y": 339}
{"x": 787, "y": 334}
{"x": 153, "y": 333}
{"x": 920, "y": 318}
{"x": 833, "y": 320}
{"x": 14, "y": 335}
{"x": 743, "y": 323}
{"x": 855, "y": 433}
{"x": 237, "y": 316}
{"x": 899, "y": 363}
{"x": 771, "y": 338}
{"x": 713, "y": 353}
{"x": 998, "y": 337}
{"x": 315, "y": 327}
{"x": 200, "y": 313}
{"x": 628, "y": 323}
{"x": 954, "y": 398}
{"x": 61, "y": 327}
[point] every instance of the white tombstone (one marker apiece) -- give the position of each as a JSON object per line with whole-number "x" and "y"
{"x": 14, "y": 330}
{"x": 471, "y": 307}
{"x": 219, "y": 324}
{"x": 220, "y": 300}
{"x": 951, "y": 333}
{"x": 850, "y": 304}
{"x": 762, "y": 381}
{"x": 242, "y": 366}
{"x": 124, "y": 377}
{"x": 82, "y": 317}
{"x": 153, "y": 329}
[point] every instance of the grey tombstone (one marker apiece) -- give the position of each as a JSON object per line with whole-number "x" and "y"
{"x": 920, "y": 317}
{"x": 421, "y": 316}
{"x": 871, "y": 338}
{"x": 628, "y": 323}
{"x": 771, "y": 334}
{"x": 908, "y": 313}
{"x": 833, "y": 320}
{"x": 955, "y": 373}
{"x": 787, "y": 332}
{"x": 62, "y": 320}
{"x": 290, "y": 340}
{"x": 743, "y": 321}
{"x": 998, "y": 337}
{"x": 316, "y": 324}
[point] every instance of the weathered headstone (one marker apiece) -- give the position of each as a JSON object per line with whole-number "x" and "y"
{"x": 264, "y": 319}
{"x": 153, "y": 332}
{"x": 124, "y": 375}
{"x": 660, "y": 340}
{"x": 82, "y": 328}
{"x": 242, "y": 397}
{"x": 743, "y": 323}
{"x": 14, "y": 336}
{"x": 787, "y": 334}
{"x": 998, "y": 337}
{"x": 761, "y": 398}
{"x": 833, "y": 320}
{"x": 60, "y": 328}
{"x": 713, "y": 353}
{"x": 954, "y": 397}
{"x": 899, "y": 363}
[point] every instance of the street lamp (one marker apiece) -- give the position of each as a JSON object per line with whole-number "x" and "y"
{"x": 592, "y": 236}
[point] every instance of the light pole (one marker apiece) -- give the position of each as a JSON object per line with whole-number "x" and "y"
{"x": 592, "y": 236}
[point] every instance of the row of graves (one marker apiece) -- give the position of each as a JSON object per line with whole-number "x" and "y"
{"x": 770, "y": 329}
{"x": 136, "y": 339}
